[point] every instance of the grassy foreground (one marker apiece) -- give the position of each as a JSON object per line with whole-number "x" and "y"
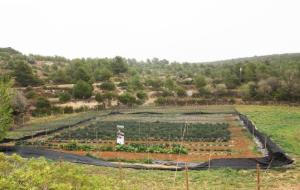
{"x": 282, "y": 123}
{"x": 18, "y": 173}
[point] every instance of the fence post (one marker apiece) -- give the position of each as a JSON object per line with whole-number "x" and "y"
{"x": 209, "y": 160}
{"x": 186, "y": 177}
{"x": 258, "y": 176}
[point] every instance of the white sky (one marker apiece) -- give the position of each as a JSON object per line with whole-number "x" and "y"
{"x": 186, "y": 30}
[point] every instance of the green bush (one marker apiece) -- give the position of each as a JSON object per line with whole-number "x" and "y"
{"x": 17, "y": 173}
{"x": 82, "y": 90}
{"x": 123, "y": 85}
{"x": 68, "y": 109}
{"x": 127, "y": 99}
{"x": 181, "y": 92}
{"x": 142, "y": 95}
{"x": 110, "y": 86}
{"x": 43, "y": 107}
{"x": 31, "y": 94}
{"x": 64, "y": 96}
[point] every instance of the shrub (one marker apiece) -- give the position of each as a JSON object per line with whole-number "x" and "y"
{"x": 103, "y": 75}
{"x": 119, "y": 65}
{"x": 181, "y": 92}
{"x": 30, "y": 94}
{"x": 123, "y": 85}
{"x": 127, "y": 99}
{"x": 166, "y": 93}
{"x": 64, "y": 96}
{"x": 82, "y": 90}
{"x": 99, "y": 98}
{"x": 142, "y": 95}
{"x": 110, "y": 86}
{"x": 42, "y": 102}
{"x": 68, "y": 109}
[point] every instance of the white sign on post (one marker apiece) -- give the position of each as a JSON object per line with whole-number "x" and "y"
{"x": 120, "y": 135}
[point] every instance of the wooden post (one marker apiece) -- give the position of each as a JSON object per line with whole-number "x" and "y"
{"x": 258, "y": 176}
{"x": 120, "y": 170}
{"x": 69, "y": 129}
{"x": 121, "y": 175}
{"x": 186, "y": 177}
{"x": 209, "y": 160}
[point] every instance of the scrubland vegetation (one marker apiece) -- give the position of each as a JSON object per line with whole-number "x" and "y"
{"x": 43, "y": 83}
{"x": 33, "y": 86}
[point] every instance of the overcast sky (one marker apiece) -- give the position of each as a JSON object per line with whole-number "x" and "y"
{"x": 186, "y": 30}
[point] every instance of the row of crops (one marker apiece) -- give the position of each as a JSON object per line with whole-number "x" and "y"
{"x": 148, "y": 131}
{"x": 133, "y": 147}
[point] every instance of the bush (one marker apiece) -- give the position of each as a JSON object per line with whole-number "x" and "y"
{"x": 142, "y": 95}
{"x": 167, "y": 93}
{"x": 24, "y": 75}
{"x": 110, "y": 95}
{"x": 42, "y": 103}
{"x": 64, "y": 96}
{"x": 20, "y": 173}
{"x": 200, "y": 82}
{"x": 154, "y": 83}
{"x": 30, "y": 94}
{"x": 82, "y": 90}
{"x": 43, "y": 107}
{"x": 181, "y": 92}
{"x": 123, "y": 85}
{"x": 119, "y": 65}
{"x": 135, "y": 83}
{"x": 103, "y": 75}
{"x": 18, "y": 103}
{"x": 108, "y": 86}
{"x": 99, "y": 98}
{"x": 68, "y": 109}
{"x": 127, "y": 99}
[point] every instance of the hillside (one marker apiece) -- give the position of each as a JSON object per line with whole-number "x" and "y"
{"x": 61, "y": 83}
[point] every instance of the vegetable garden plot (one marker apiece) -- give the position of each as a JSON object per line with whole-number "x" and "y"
{"x": 150, "y": 131}
{"x": 155, "y": 138}
{"x": 170, "y": 135}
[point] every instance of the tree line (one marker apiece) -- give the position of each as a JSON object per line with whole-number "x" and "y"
{"x": 264, "y": 78}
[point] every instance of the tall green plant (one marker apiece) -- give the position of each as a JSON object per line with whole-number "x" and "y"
{"x": 5, "y": 107}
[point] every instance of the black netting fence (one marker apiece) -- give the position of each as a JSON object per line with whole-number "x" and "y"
{"x": 276, "y": 156}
